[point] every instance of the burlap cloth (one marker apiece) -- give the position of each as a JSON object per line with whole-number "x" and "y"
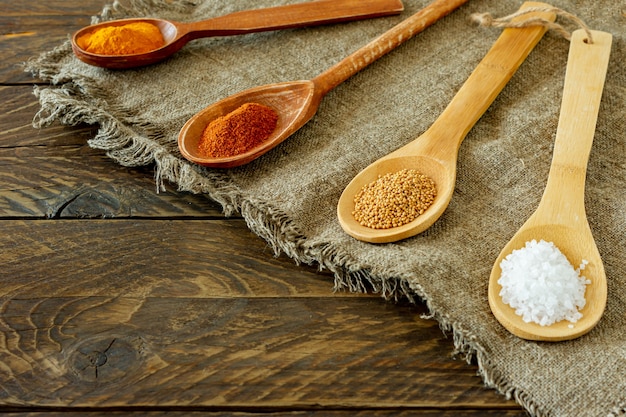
{"x": 289, "y": 196}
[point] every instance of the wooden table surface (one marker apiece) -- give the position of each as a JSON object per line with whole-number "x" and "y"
{"x": 115, "y": 298}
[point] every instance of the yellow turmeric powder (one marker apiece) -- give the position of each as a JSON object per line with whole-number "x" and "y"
{"x": 128, "y": 39}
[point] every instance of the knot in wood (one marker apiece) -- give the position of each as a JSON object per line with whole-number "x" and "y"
{"x": 106, "y": 359}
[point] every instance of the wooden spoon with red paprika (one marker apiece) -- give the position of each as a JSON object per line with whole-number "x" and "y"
{"x": 296, "y": 102}
{"x": 177, "y": 34}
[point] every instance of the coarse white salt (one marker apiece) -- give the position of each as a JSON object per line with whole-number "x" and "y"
{"x": 541, "y": 285}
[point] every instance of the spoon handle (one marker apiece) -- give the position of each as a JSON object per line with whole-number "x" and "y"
{"x": 582, "y": 92}
{"x": 383, "y": 44}
{"x": 290, "y": 16}
{"x": 485, "y": 83}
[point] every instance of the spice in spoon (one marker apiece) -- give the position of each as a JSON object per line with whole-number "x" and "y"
{"x": 238, "y": 132}
{"x": 541, "y": 285}
{"x": 394, "y": 199}
{"x": 129, "y": 39}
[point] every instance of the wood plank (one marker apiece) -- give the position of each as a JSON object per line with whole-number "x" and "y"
{"x": 262, "y": 353}
{"x": 31, "y": 28}
{"x": 146, "y": 314}
{"x": 55, "y": 9}
{"x": 17, "y": 111}
{"x": 25, "y": 38}
{"x": 53, "y": 173}
{"x": 176, "y": 412}
{"x": 144, "y": 258}
{"x": 225, "y": 352}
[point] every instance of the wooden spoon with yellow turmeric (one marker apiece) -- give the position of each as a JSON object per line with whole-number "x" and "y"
{"x": 129, "y": 43}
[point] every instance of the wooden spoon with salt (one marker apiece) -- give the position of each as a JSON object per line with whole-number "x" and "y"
{"x": 177, "y": 34}
{"x": 560, "y": 217}
{"x": 296, "y": 102}
{"x": 434, "y": 153}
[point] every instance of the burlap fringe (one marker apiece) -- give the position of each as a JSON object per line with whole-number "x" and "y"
{"x": 64, "y": 103}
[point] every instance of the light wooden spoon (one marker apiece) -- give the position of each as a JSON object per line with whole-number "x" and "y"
{"x": 177, "y": 34}
{"x": 297, "y": 101}
{"x": 435, "y": 152}
{"x": 560, "y": 217}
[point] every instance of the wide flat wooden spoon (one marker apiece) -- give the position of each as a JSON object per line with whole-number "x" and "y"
{"x": 177, "y": 34}
{"x": 297, "y": 101}
{"x": 434, "y": 153}
{"x": 560, "y": 217}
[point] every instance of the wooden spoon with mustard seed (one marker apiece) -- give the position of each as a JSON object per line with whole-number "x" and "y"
{"x": 178, "y": 34}
{"x": 435, "y": 152}
{"x": 560, "y": 217}
{"x": 296, "y": 102}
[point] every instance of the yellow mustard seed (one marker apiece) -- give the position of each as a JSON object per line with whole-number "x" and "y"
{"x": 394, "y": 199}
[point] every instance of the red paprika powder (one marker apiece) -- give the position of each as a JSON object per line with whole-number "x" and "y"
{"x": 238, "y": 131}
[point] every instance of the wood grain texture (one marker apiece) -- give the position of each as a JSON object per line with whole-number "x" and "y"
{"x": 148, "y": 258}
{"x": 110, "y": 318}
{"x": 228, "y": 352}
{"x": 29, "y": 28}
{"x": 53, "y": 173}
{"x": 118, "y": 300}
{"x": 94, "y": 322}
{"x": 274, "y": 413}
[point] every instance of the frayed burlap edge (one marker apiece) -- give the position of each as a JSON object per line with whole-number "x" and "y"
{"x": 65, "y": 103}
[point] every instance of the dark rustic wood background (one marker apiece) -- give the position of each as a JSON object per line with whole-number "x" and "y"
{"x": 116, "y": 299}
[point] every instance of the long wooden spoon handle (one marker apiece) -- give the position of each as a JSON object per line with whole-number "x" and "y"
{"x": 488, "y": 79}
{"x": 292, "y": 16}
{"x": 384, "y": 44}
{"x": 563, "y": 200}
{"x": 585, "y": 74}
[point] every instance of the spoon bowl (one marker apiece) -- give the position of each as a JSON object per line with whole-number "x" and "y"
{"x": 296, "y": 102}
{"x": 438, "y": 170}
{"x": 435, "y": 152}
{"x": 293, "y": 102}
{"x": 172, "y": 35}
{"x": 577, "y": 244}
{"x": 178, "y": 34}
{"x": 560, "y": 217}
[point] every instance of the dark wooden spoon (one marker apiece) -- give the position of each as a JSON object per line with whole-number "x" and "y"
{"x": 177, "y": 34}
{"x": 297, "y": 101}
